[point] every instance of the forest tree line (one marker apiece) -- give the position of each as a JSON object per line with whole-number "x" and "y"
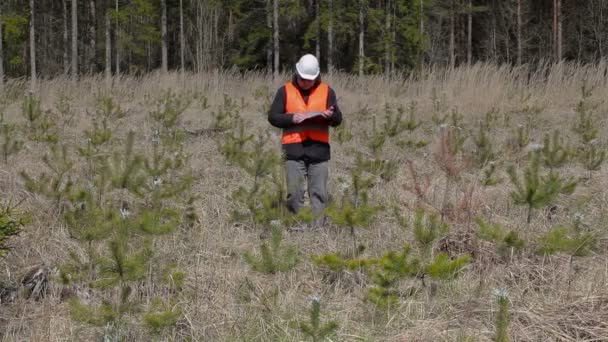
{"x": 46, "y": 38}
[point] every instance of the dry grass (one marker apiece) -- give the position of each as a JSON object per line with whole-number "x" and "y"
{"x": 225, "y": 301}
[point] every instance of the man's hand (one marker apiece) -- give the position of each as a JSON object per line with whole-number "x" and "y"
{"x": 328, "y": 112}
{"x": 299, "y": 117}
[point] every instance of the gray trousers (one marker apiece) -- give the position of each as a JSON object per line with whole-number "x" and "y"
{"x": 299, "y": 174}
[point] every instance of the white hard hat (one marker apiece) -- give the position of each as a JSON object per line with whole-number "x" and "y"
{"x": 308, "y": 67}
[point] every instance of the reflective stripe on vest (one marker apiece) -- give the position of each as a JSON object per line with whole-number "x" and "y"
{"x": 294, "y": 103}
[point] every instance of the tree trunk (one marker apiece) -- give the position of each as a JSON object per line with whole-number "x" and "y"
{"x": 276, "y": 38}
{"x": 318, "y": 17}
{"x": 452, "y": 34}
{"x": 163, "y": 33}
{"x": 269, "y": 13}
{"x": 554, "y": 30}
{"x": 519, "y": 28}
{"x": 330, "y": 38}
{"x": 108, "y": 69}
{"x": 559, "y": 30}
{"x": 387, "y": 43}
{"x": 93, "y": 41}
{"x": 182, "y": 42}
{"x": 421, "y": 30}
{"x": 74, "y": 39}
{"x": 1, "y": 60}
{"x": 117, "y": 43}
{"x": 470, "y": 34}
{"x": 199, "y": 40}
{"x": 361, "y": 37}
{"x": 66, "y": 58}
{"x": 32, "y": 46}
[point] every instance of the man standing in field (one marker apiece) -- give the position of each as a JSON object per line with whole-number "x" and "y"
{"x": 305, "y": 108}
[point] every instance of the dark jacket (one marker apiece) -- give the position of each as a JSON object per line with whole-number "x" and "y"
{"x": 309, "y": 150}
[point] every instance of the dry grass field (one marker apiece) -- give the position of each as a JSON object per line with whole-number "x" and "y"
{"x": 558, "y": 297}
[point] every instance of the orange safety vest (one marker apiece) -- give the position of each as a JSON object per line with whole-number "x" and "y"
{"x": 294, "y": 103}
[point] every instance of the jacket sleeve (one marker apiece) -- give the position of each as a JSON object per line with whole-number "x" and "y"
{"x": 336, "y": 119}
{"x": 276, "y": 115}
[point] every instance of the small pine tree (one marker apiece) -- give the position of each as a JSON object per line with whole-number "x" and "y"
{"x": 428, "y": 227}
{"x": 57, "y": 185}
{"x": 444, "y": 268}
{"x": 11, "y": 224}
{"x": 538, "y": 190}
{"x": 411, "y": 124}
{"x": 375, "y": 139}
{"x": 484, "y": 152}
{"x": 10, "y": 143}
{"x": 502, "y": 316}
{"x": 274, "y": 257}
{"x": 554, "y": 154}
{"x": 506, "y": 241}
{"x": 386, "y": 273}
{"x": 313, "y": 329}
{"x": 592, "y": 157}
{"x": 489, "y": 175}
{"x": 564, "y": 240}
{"x": 586, "y": 124}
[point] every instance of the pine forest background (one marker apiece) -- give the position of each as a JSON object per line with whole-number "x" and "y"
{"x": 142, "y": 188}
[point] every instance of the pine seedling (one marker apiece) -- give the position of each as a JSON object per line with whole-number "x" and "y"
{"x": 343, "y": 133}
{"x": 125, "y": 167}
{"x": 503, "y": 316}
{"x": 313, "y": 329}
{"x": 567, "y": 241}
{"x": 32, "y": 111}
{"x": 439, "y": 108}
{"x": 273, "y": 257}
{"x": 444, "y": 268}
{"x": 351, "y": 215}
{"x": 167, "y": 178}
{"x": 56, "y": 185}
{"x": 161, "y": 315}
{"x": 536, "y": 190}
{"x": 11, "y": 145}
{"x": 506, "y": 242}
{"x": 226, "y": 116}
{"x": 586, "y": 124}
{"x": 393, "y": 122}
{"x": 233, "y": 148}
{"x": 522, "y": 137}
{"x": 375, "y": 139}
{"x": 428, "y": 227}
{"x": 166, "y": 117}
{"x": 388, "y": 270}
{"x": 411, "y": 124}
{"x": 484, "y": 152}
{"x": 554, "y": 154}
{"x": 12, "y": 223}
{"x": 385, "y": 169}
{"x": 489, "y": 175}
{"x": 338, "y": 262}
{"x": 107, "y": 108}
{"x": 592, "y": 157}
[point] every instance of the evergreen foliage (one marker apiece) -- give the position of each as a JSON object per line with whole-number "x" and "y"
{"x": 553, "y": 153}
{"x": 444, "y": 268}
{"x": 489, "y": 175}
{"x": 10, "y": 143}
{"x": 484, "y": 152}
{"x": 313, "y": 329}
{"x": 592, "y": 157}
{"x": 586, "y": 124}
{"x": 502, "y": 317}
{"x": 562, "y": 239}
{"x": 11, "y": 224}
{"x": 273, "y": 257}
{"x": 428, "y": 227}
{"x": 537, "y": 190}
{"x": 506, "y": 241}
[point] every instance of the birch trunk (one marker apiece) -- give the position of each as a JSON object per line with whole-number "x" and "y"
{"x": 361, "y": 37}
{"x": 93, "y": 41}
{"x": 108, "y": 66}
{"x": 182, "y": 43}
